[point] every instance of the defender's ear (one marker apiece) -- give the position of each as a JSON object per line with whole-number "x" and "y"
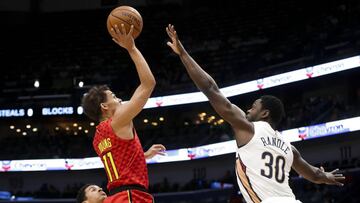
{"x": 265, "y": 113}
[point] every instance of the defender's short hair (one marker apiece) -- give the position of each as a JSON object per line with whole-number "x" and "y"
{"x": 275, "y": 107}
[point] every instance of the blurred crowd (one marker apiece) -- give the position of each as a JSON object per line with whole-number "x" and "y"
{"x": 234, "y": 44}
{"x": 64, "y": 143}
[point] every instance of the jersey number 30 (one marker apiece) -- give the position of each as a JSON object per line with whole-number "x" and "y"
{"x": 279, "y": 167}
{"x": 108, "y": 158}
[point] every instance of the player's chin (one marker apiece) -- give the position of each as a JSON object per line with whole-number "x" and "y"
{"x": 248, "y": 117}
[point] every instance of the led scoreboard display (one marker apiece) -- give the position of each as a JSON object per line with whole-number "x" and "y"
{"x": 44, "y": 111}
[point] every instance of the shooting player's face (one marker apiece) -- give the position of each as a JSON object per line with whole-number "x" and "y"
{"x": 111, "y": 98}
{"x": 111, "y": 103}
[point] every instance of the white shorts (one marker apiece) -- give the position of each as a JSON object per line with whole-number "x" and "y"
{"x": 280, "y": 200}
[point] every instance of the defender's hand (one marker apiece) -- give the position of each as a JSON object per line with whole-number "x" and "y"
{"x": 175, "y": 43}
{"x": 333, "y": 177}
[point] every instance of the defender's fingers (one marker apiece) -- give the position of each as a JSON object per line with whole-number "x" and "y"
{"x": 334, "y": 171}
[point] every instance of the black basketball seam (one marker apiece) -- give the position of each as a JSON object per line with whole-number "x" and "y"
{"x": 124, "y": 21}
{"x": 129, "y": 11}
{"x": 136, "y": 13}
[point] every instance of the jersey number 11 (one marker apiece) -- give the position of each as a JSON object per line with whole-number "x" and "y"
{"x": 108, "y": 158}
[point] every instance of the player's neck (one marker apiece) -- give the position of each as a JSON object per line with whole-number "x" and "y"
{"x": 105, "y": 115}
{"x": 270, "y": 123}
{"x": 104, "y": 118}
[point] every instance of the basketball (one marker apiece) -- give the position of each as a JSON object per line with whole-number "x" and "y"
{"x": 125, "y": 15}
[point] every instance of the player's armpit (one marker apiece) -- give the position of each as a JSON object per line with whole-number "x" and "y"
{"x": 229, "y": 111}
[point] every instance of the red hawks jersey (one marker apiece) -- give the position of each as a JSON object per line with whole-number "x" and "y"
{"x": 123, "y": 160}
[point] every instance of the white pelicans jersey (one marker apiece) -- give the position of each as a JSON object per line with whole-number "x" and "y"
{"x": 263, "y": 165}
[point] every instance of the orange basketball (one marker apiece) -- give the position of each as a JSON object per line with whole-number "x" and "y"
{"x": 125, "y": 15}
